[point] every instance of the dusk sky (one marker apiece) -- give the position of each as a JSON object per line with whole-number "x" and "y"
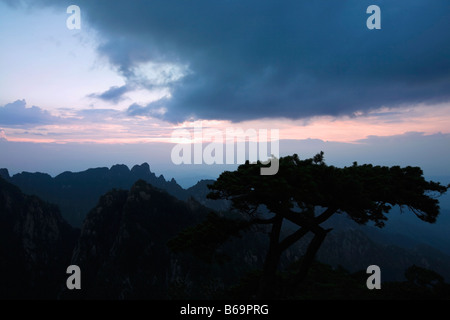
{"x": 115, "y": 90}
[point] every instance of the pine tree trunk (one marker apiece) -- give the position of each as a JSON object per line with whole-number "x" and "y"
{"x": 267, "y": 288}
{"x": 309, "y": 257}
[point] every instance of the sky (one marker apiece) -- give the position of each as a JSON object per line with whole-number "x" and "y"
{"x": 115, "y": 90}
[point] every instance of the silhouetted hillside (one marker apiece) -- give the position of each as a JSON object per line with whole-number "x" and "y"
{"x": 355, "y": 247}
{"x": 35, "y": 245}
{"x": 77, "y": 193}
{"x": 122, "y": 249}
{"x": 123, "y": 246}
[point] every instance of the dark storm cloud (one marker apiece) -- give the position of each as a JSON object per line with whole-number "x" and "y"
{"x": 17, "y": 114}
{"x": 263, "y": 58}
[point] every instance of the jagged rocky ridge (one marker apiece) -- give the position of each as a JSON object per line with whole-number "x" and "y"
{"x": 78, "y": 192}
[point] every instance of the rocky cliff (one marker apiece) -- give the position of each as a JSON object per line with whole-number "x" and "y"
{"x": 122, "y": 250}
{"x": 35, "y": 245}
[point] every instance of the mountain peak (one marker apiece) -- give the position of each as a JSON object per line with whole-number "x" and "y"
{"x": 68, "y": 188}
{"x": 4, "y": 173}
{"x": 119, "y": 169}
{"x": 143, "y": 168}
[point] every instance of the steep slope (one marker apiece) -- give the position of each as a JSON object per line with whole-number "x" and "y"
{"x": 35, "y": 245}
{"x": 122, "y": 249}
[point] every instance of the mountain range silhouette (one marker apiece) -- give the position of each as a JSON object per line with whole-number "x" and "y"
{"x": 115, "y": 224}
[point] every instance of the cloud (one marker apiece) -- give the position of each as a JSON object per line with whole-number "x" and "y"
{"x": 97, "y": 115}
{"x": 2, "y": 135}
{"x": 17, "y": 114}
{"x": 153, "y": 109}
{"x": 262, "y": 58}
{"x": 113, "y": 94}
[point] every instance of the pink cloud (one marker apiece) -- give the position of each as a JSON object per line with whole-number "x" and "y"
{"x": 120, "y": 129}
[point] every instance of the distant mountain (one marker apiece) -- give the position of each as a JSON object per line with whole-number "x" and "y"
{"x": 35, "y": 245}
{"x": 394, "y": 248}
{"x": 355, "y": 250}
{"x": 77, "y": 193}
{"x": 406, "y": 230}
{"x": 200, "y": 191}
